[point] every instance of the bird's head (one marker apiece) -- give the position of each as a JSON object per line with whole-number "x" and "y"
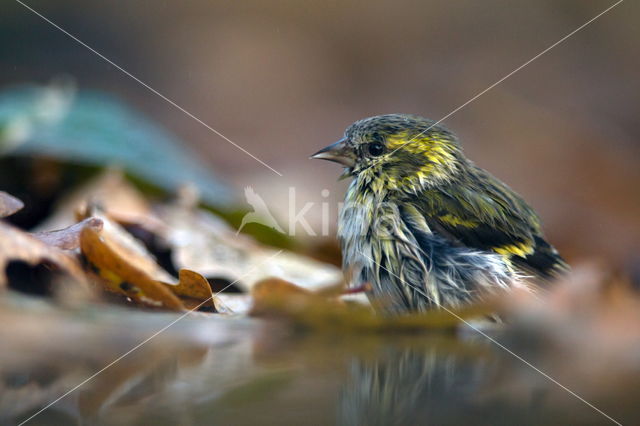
{"x": 397, "y": 152}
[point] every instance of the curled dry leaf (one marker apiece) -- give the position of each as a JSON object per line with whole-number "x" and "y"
{"x": 9, "y": 204}
{"x": 69, "y": 238}
{"x": 194, "y": 290}
{"x": 130, "y": 248}
{"x": 121, "y": 275}
{"x": 16, "y": 245}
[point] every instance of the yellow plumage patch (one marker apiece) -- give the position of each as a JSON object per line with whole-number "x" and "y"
{"x": 456, "y": 221}
{"x": 520, "y": 249}
{"x": 400, "y": 140}
{"x": 437, "y": 151}
{"x": 440, "y": 152}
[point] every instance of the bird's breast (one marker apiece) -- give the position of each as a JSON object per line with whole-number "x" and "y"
{"x": 355, "y": 224}
{"x": 370, "y": 229}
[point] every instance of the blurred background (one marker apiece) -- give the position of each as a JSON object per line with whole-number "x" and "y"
{"x": 284, "y": 78}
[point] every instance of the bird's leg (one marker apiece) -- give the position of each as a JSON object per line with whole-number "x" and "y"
{"x": 362, "y": 288}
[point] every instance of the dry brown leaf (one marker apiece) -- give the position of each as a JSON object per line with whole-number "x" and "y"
{"x": 121, "y": 275}
{"x": 272, "y": 292}
{"x": 17, "y": 245}
{"x": 193, "y": 289}
{"x": 69, "y": 238}
{"x": 9, "y": 204}
{"x": 281, "y": 299}
{"x": 130, "y": 248}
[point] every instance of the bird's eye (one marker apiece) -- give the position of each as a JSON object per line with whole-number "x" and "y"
{"x": 375, "y": 149}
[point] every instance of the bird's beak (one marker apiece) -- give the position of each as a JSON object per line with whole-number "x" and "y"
{"x": 339, "y": 152}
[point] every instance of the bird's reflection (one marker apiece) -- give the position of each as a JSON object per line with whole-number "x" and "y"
{"x": 409, "y": 384}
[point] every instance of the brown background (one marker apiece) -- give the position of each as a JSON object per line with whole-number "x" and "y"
{"x": 284, "y": 78}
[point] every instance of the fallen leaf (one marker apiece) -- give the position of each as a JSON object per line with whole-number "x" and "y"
{"x": 68, "y": 238}
{"x": 274, "y": 293}
{"x": 17, "y": 245}
{"x": 121, "y": 275}
{"x": 128, "y": 247}
{"x": 9, "y": 204}
{"x": 194, "y": 290}
{"x": 312, "y": 310}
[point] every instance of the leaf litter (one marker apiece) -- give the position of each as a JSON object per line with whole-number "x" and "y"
{"x": 99, "y": 247}
{"x": 19, "y": 246}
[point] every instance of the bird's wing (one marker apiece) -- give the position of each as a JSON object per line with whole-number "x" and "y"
{"x": 483, "y": 213}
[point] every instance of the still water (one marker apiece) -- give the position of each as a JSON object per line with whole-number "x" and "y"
{"x": 208, "y": 369}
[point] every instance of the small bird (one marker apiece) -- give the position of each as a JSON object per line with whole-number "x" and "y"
{"x": 425, "y": 227}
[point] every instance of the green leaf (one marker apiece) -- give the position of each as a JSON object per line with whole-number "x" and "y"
{"x": 93, "y": 128}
